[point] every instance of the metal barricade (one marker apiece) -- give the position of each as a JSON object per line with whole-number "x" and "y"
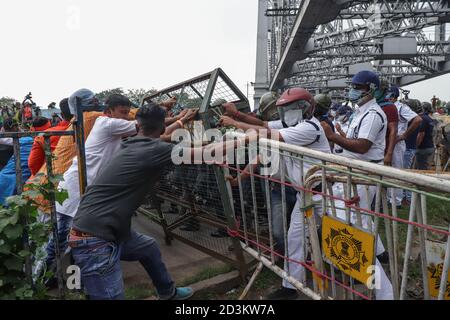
{"x": 197, "y": 196}
{"x": 78, "y": 134}
{"x": 343, "y": 219}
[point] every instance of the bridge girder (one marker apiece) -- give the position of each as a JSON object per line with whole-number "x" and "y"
{"x": 307, "y": 47}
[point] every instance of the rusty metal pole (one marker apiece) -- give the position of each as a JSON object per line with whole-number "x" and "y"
{"x": 23, "y": 215}
{"x": 54, "y": 219}
{"x": 81, "y": 153}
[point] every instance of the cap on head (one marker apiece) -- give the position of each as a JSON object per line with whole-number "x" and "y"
{"x": 394, "y": 91}
{"x": 268, "y": 106}
{"x": 293, "y": 95}
{"x": 323, "y": 104}
{"x": 368, "y": 78}
{"x": 268, "y": 100}
{"x": 86, "y": 96}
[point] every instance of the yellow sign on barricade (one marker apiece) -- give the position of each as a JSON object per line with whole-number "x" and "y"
{"x": 435, "y": 259}
{"x": 348, "y": 248}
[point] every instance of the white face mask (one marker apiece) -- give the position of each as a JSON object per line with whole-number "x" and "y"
{"x": 293, "y": 117}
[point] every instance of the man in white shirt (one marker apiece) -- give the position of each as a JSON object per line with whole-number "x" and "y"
{"x": 408, "y": 124}
{"x": 101, "y": 146}
{"x": 366, "y": 140}
{"x": 299, "y": 127}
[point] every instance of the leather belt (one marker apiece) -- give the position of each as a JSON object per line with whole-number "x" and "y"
{"x": 80, "y": 234}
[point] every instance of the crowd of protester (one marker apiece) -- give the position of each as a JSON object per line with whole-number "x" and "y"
{"x": 127, "y": 148}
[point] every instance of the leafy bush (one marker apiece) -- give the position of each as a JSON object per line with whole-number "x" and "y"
{"x": 19, "y": 225}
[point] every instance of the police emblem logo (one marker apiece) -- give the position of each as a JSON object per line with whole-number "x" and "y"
{"x": 349, "y": 249}
{"x": 435, "y": 259}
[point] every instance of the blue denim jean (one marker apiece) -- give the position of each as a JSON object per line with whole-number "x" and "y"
{"x": 408, "y": 159}
{"x": 277, "y": 214}
{"x": 64, "y": 225}
{"x": 101, "y": 273}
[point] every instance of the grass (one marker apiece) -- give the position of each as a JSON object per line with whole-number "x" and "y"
{"x": 438, "y": 215}
{"x": 264, "y": 284}
{"x": 139, "y": 292}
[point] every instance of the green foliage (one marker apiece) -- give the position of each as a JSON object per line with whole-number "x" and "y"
{"x": 102, "y": 96}
{"x": 21, "y": 237}
{"x": 135, "y": 95}
{"x": 6, "y": 101}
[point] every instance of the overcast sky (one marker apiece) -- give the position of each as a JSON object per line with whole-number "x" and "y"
{"x": 117, "y": 43}
{"x": 54, "y": 47}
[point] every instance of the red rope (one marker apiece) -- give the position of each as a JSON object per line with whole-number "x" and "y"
{"x": 348, "y": 203}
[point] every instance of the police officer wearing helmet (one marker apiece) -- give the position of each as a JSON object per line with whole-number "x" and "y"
{"x": 323, "y": 106}
{"x": 297, "y": 126}
{"x": 294, "y": 106}
{"x": 365, "y": 140}
{"x": 268, "y": 107}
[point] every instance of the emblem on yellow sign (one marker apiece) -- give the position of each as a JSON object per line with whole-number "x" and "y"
{"x": 349, "y": 249}
{"x": 435, "y": 258}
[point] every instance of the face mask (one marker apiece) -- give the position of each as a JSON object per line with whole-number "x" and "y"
{"x": 355, "y": 95}
{"x": 292, "y": 117}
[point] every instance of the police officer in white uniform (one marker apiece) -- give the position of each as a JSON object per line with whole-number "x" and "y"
{"x": 408, "y": 124}
{"x": 299, "y": 127}
{"x": 366, "y": 140}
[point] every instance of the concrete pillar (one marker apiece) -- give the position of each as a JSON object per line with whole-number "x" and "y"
{"x": 262, "y": 63}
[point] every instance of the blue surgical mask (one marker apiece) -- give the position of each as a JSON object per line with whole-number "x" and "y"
{"x": 355, "y": 95}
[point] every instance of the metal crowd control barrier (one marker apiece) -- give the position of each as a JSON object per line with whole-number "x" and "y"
{"x": 197, "y": 196}
{"x": 78, "y": 134}
{"x": 345, "y": 210}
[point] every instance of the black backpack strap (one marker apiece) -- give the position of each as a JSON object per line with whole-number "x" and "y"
{"x": 284, "y": 125}
{"x": 318, "y": 132}
{"x": 356, "y": 134}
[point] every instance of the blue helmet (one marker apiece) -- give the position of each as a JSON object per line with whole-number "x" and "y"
{"x": 335, "y": 106}
{"x": 393, "y": 92}
{"x": 343, "y": 110}
{"x": 367, "y": 78}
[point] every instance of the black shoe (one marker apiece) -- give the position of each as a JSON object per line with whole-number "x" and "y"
{"x": 191, "y": 226}
{"x": 383, "y": 258}
{"x": 220, "y": 233}
{"x": 283, "y": 294}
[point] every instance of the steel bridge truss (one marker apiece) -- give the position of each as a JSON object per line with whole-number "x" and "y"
{"x": 313, "y": 43}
